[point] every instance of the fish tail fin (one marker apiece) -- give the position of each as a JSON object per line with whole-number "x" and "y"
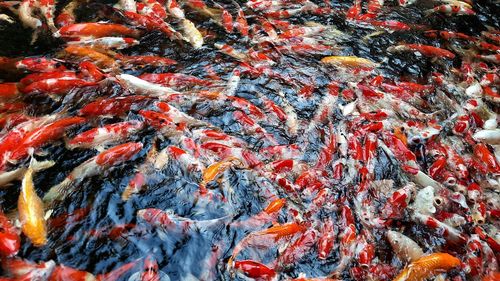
{"x": 428, "y": 12}
{"x": 436, "y": 113}
{"x": 130, "y": 190}
{"x": 37, "y": 166}
{"x": 56, "y": 192}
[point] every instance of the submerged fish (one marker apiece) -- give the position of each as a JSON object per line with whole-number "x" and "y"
{"x": 31, "y": 211}
{"x": 427, "y": 266}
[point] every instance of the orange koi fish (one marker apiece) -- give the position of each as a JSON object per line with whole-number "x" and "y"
{"x": 428, "y": 266}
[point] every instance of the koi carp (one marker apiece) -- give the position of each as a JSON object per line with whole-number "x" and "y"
{"x": 168, "y": 221}
{"x": 10, "y": 242}
{"x": 92, "y": 167}
{"x": 425, "y": 50}
{"x": 38, "y": 137}
{"x": 31, "y": 211}
{"x": 99, "y": 137}
{"x": 349, "y": 61}
{"x": 254, "y": 270}
{"x": 428, "y": 266}
{"x": 95, "y": 30}
{"x": 215, "y": 170}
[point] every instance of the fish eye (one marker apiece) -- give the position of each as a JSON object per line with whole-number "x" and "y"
{"x": 438, "y": 201}
{"x": 415, "y": 140}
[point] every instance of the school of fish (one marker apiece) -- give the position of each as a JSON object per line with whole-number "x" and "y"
{"x": 262, "y": 140}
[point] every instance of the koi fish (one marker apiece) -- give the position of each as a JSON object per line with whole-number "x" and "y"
{"x": 8, "y": 90}
{"x": 113, "y": 106}
{"x": 174, "y": 79}
{"x": 150, "y": 271}
{"x": 99, "y": 137}
{"x": 269, "y": 214}
{"x": 191, "y": 33}
{"x": 447, "y": 35}
{"x": 116, "y": 274}
{"x": 38, "y": 137}
{"x": 22, "y": 269}
{"x": 168, "y": 221}
{"x": 349, "y": 61}
{"x": 154, "y": 161}
{"x": 449, "y": 233}
{"x": 425, "y": 50}
{"x": 452, "y": 9}
{"x": 31, "y": 211}
{"x": 92, "y": 167}
{"x": 174, "y": 9}
{"x": 62, "y": 272}
{"x": 67, "y": 14}
{"x": 17, "y": 174}
{"x": 128, "y": 5}
{"x": 146, "y": 88}
{"x": 95, "y": 30}
{"x": 35, "y": 77}
{"x": 56, "y": 86}
{"x": 86, "y": 53}
{"x": 214, "y": 170}
{"x": 266, "y": 238}
{"x": 26, "y": 15}
{"x": 254, "y": 270}
{"x": 326, "y": 239}
{"x": 106, "y": 42}
{"x": 427, "y": 266}
{"x": 39, "y": 64}
{"x": 152, "y": 23}
{"x": 295, "y": 251}
{"x": 10, "y": 242}
{"x": 491, "y": 137}
{"x": 405, "y": 248}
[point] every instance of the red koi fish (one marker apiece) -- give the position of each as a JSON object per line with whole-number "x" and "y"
{"x": 26, "y": 270}
{"x": 105, "y": 135}
{"x": 92, "y": 167}
{"x": 425, "y": 50}
{"x": 269, "y": 214}
{"x": 43, "y": 135}
{"x": 452, "y": 9}
{"x": 65, "y": 273}
{"x": 448, "y": 35}
{"x": 326, "y": 239}
{"x": 114, "y": 106}
{"x": 152, "y": 23}
{"x": 298, "y": 248}
{"x": 174, "y": 79}
{"x": 254, "y": 270}
{"x": 39, "y": 64}
{"x": 57, "y": 86}
{"x": 35, "y": 77}
{"x": 266, "y": 238}
{"x": 117, "y": 274}
{"x": 8, "y": 91}
{"x": 10, "y": 242}
{"x": 96, "y": 30}
{"x": 131, "y": 61}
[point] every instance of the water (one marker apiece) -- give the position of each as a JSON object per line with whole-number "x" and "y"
{"x": 184, "y": 255}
